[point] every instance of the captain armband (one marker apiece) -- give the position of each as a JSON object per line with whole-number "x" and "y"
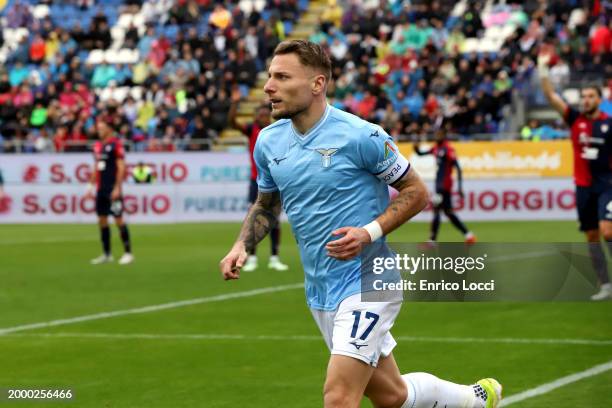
{"x": 395, "y": 168}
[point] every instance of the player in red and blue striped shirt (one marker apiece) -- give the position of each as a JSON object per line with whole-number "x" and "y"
{"x": 446, "y": 160}
{"x": 591, "y": 135}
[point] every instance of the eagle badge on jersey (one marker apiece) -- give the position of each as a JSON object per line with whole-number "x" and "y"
{"x": 604, "y": 128}
{"x": 326, "y": 155}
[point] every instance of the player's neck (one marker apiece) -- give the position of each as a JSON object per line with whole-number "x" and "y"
{"x": 304, "y": 121}
{"x": 594, "y": 115}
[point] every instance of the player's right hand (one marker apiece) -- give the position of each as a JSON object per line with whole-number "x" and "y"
{"x": 233, "y": 261}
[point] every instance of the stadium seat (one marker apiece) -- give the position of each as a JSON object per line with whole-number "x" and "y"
{"x": 487, "y": 45}
{"x": 40, "y": 11}
{"x": 95, "y": 57}
{"x": 136, "y": 92}
{"x": 118, "y": 35}
{"x": 124, "y": 20}
{"x": 246, "y": 5}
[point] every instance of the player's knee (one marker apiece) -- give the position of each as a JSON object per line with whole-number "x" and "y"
{"x": 338, "y": 396}
{"x": 103, "y": 222}
{"x": 592, "y": 235}
{"x": 394, "y": 399}
{"x": 606, "y": 230}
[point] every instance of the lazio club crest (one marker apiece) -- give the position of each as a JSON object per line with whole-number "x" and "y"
{"x": 326, "y": 155}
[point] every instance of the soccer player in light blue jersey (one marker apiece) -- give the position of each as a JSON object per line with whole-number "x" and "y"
{"x": 330, "y": 170}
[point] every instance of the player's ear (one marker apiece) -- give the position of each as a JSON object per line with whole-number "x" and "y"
{"x": 318, "y": 84}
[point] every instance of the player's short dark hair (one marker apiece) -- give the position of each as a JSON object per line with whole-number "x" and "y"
{"x": 596, "y": 87}
{"x": 310, "y": 54}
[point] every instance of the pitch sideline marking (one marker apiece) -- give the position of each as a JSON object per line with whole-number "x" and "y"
{"x": 152, "y": 308}
{"x": 558, "y": 383}
{"x": 171, "y": 305}
{"x": 218, "y": 336}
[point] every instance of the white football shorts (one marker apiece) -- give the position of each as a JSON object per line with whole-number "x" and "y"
{"x": 359, "y": 329}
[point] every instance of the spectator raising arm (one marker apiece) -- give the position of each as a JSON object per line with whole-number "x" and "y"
{"x": 553, "y": 98}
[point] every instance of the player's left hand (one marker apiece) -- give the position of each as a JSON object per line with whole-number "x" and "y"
{"x": 116, "y": 194}
{"x": 349, "y": 246}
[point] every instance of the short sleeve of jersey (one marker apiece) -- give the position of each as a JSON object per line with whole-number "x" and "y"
{"x": 450, "y": 153}
{"x": 570, "y": 115}
{"x": 119, "y": 150}
{"x": 381, "y": 156}
{"x": 265, "y": 183}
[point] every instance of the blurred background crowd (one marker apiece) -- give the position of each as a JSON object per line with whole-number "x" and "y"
{"x": 166, "y": 72}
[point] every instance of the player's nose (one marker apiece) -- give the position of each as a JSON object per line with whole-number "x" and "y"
{"x": 269, "y": 87}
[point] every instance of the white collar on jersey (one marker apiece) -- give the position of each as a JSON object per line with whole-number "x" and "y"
{"x": 315, "y": 127}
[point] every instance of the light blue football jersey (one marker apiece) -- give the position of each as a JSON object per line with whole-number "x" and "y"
{"x": 334, "y": 176}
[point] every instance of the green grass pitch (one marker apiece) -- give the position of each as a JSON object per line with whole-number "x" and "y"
{"x": 262, "y": 350}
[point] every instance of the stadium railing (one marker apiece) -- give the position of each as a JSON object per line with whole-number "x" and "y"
{"x": 19, "y": 146}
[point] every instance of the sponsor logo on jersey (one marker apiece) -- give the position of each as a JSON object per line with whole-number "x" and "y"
{"x": 389, "y": 149}
{"x": 326, "y": 155}
{"x": 357, "y": 345}
{"x": 277, "y": 161}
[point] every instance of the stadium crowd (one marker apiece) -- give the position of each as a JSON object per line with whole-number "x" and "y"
{"x": 402, "y": 64}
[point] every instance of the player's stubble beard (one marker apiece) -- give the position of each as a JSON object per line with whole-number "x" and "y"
{"x": 289, "y": 113}
{"x": 591, "y": 112}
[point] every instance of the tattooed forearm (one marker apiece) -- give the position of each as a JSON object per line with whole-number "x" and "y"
{"x": 262, "y": 217}
{"x": 411, "y": 200}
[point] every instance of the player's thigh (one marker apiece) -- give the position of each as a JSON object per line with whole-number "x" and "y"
{"x": 358, "y": 334}
{"x": 587, "y": 203}
{"x": 386, "y": 388}
{"x": 119, "y": 221}
{"x": 103, "y": 221}
{"x": 345, "y": 382}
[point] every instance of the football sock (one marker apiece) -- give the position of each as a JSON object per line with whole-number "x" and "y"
{"x": 435, "y": 226}
{"x": 598, "y": 258}
{"x": 275, "y": 239}
{"x": 125, "y": 237}
{"x": 105, "y": 237}
{"x": 427, "y": 391}
{"x": 457, "y": 222}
